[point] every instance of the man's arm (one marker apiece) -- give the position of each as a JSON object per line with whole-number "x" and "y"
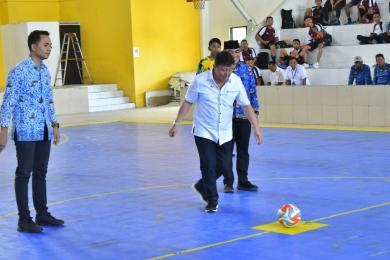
{"x": 9, "y": 102}
{"x": 254, "y": 122}
{"x": 184, "y": 108}
{"x": 351, "y": 77}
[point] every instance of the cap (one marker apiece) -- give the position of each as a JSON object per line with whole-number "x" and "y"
{"x": 231, "y": 45}
{"x": 358, "y": 59}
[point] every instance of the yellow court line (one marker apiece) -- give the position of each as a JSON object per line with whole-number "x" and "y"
{"x": 263, "y": 233}
{"x": 286, "y": 126}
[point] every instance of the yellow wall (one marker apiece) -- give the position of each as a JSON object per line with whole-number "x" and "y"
{"x": 106, "y": 39}
{"x": 166, "y": 31}
{"x": 168, "y": 35}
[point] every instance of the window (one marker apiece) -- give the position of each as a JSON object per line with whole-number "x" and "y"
{"x": 238, "y": 33}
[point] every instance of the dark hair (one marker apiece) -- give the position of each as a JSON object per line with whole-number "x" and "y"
{"x": 307, "y": 17}
{"x": 379, "y": 55}
{"x": 296, "y": 40}
{"x": 215, "y": 40}
{"x": 271, "y": 63}
{"x": 293, "y": 58}
{"x": 269, "y": 17}
{"x": 244, "y": 40}
{"x": 224, "y": 58}
{"x": 35, "y": 36}
{"x": 376, "y": 13}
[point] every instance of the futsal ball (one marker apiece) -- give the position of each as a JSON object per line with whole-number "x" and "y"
{"x": 289, "y": 215}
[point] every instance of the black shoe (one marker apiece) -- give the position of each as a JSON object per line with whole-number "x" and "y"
{"x": 201, "y": 192}
{"x": 247, "y": 186}
{"x": 212, "y": 207}
{"x": 228, "y": 188}
{"x": 29, "y": 226}
{"x": 48, "y": 220}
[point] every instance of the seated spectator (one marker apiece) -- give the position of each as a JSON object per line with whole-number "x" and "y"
{"x": 381, "y": 71}
{"x": 284, "y": 58}
{"x": 360, "y": 73}
{"x": 367, "y": 9}
{"x": 315, "y": 12}
{"x": 348, "y": 9}
{"x": 246, "y": 51}
{"x": 296, "y": 74}
{"x": 267, "y": 37}
{"x": 208, "y": 62}
{"x": 317, "y": 38}
{"x": 255, "y": 71}
{"x": 275, "y": 75}
{"x": 386, "y": 35}
{"x": 378, "y": 32}
{"x": 331, "y": 6}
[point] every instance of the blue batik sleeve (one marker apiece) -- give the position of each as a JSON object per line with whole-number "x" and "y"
{"x": 9, "y": 101}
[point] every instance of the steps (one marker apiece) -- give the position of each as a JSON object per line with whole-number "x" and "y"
{"x": 107, "y": 97}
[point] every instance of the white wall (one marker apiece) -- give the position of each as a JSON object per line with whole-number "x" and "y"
{"x": 15, "y": 46}
{"x": 220, "y": 15}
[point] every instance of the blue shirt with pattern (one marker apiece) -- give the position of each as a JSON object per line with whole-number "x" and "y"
{"x": 248, "y": 80}
{"x": 28, "y": 100}
{"x": 362, "y": 75}
{"x": 382, "y": 75}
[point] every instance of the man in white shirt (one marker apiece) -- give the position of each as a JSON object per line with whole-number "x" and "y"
{"x": 275, "y": 75}
{"x": 378, "y": 32}
{"x": 296, "y": 74}
{"x": 214, "y": 93}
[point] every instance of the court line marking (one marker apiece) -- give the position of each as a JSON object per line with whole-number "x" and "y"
{"x": 283, "y": 126}
{"x": 265, "y": 232}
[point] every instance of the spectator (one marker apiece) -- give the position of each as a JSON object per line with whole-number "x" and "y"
{"x": 267, "y": 37}
{"x": 386, "y": 35}
{"x": 255, "y": 71}
{"x": 360, "y": 73}
{"x": 331, "y": 6}
{"x": 284, "y": 58}
{"x": 296, "y": 74}
{"x": 246, "y": 51}
{"x": 378, "y": 32}
{"x": 208, "y": 62}
{"x": 348, "y": 9}
{"x": 316, "y": 12}
{"x": 317, "y": 38}
{"x": 367, "y": 9}
{"x": 275, "y": 75}
{"x": 381, "y": 71}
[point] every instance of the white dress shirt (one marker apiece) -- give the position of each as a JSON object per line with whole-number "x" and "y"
{"x": 214, "y": 106}
{"x": 296, "y": 76}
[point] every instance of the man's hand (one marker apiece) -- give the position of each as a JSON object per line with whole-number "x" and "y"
{"x": 173, "y": 131}
{"x": 56, "y": 135}
{"x": 258, "y": 136}
{"x": 3, "y": 138}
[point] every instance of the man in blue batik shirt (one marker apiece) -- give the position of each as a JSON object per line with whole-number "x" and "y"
{"x": 241, "y": 124}
{"x": 28, "y": 100}
{"x": 381, "y": 71}
{"x": 360, "y": 73}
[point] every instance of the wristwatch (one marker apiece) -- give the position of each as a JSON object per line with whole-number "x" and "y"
{"x": 55, "y": 125}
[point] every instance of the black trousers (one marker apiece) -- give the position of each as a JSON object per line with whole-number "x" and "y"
{"x": 379, "y": 38}
{"x": 215, "y": 159}
{"x": 241, "y": 138}
{"x": 31, "y": 157}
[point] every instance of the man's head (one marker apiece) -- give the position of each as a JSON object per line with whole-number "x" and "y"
{"x": 250, "y": 61}
{"x": 233, "y": 48}
{"x": 308, "y": 21}
{"x": 296, "y": 44}
{"x": 269, "y": 21}
{"x": 318, "y": 2}
{"x": 214, "y": 46}
{"x": 358, "y": 61}
{"x": 293, "y": 63}
{"x": 272, "y": 66}
{"x": 244, "y": 44}
{"x": 223, "y": 66}
{"x": 39, "y": 44}
{"x": 380, "y": 59}
{"x": 377, "y": 18}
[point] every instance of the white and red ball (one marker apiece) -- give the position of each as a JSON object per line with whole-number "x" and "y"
{"x": 289, "y": 215}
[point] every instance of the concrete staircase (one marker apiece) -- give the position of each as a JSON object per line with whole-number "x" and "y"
{"x": 107, "y": 97}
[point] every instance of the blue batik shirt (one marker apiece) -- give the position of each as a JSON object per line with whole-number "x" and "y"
{"x": 244, "y": 72}
{"x": 362, "y": 76}
{"x": 382, "y": 75}
{"x": 28, "y": 100}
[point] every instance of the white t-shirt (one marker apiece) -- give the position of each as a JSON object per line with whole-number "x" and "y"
{"x": 379, "y": 28}
{"x": 296, "y": 76}
{"x": 276, "y": 77}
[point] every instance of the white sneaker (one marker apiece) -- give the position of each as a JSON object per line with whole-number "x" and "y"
{"x": 316, "y": 65}
{"x": 305, "y": 65}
